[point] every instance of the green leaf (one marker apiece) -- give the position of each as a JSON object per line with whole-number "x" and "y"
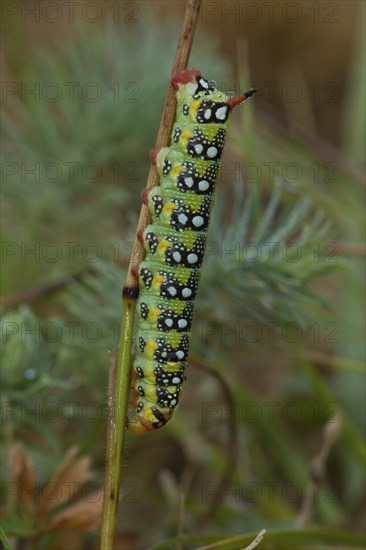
{"x": 19, "y": 526}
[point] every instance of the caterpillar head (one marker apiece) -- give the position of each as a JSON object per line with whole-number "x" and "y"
{"x": 199, "y": 100}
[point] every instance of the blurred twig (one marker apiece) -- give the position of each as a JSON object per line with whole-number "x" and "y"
{"x": 351, "y": 249}
{"x": 251, "y": 546}
{"x": 332, "y": 431}
{"x": 232, "y": 445}
{"x": 36, "y": 293}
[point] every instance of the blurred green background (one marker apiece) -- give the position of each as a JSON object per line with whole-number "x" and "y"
{"x": 268, "y": 433}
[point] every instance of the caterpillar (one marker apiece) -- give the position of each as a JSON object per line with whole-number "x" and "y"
{"x": 174, "y": 244}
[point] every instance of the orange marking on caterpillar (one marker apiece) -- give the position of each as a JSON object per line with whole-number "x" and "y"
{"x": 136, "y": 271}
{"x": 145, "y": 196}
{"x": 154, "y": 153}
{"x": 183, "y": 77}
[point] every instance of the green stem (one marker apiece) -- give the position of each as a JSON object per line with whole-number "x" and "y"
{"x": 118, "y": 407}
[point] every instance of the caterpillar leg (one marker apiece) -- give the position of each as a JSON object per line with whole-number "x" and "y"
{"x": 155, "y": 390}
{"x": 154, "y": 153}
{"x": 146, "y": 416}
{"x": 136, "y": 271}
{"x": 139, "y": 425}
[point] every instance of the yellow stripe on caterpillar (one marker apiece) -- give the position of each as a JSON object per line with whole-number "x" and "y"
{"x": 154, "y": 314}
{"x": 157, "y": 281}
{"x": 163, "y": 245}
{"x": 169, "y": 207}
{"x": 150, "y": 349}
{"x": 185, "y": 137}
{"x": 174, "y": 172}
{"x": 194, "y": 108}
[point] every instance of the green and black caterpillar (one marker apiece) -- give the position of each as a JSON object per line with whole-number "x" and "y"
{"x": 175, "y": 243}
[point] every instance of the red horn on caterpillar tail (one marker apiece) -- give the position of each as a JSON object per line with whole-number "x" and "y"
{"x": 234, "y": 101}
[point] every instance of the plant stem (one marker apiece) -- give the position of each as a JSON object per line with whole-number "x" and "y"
{"x": 120, "y": 385}
{"x": 117, "y": 408}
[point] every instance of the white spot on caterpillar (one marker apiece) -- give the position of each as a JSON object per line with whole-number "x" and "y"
{"x": 176, "y": 380}
{"x": 169, "y": 322}
{"x": 172, "y": 291}
{"x": 164, "y": 354}
{"x": 182, "y": 219}
{"x": 189, "y": 182}
{"x": 177, "y": 257}
{"x": 198, "y": 221}
{"x": 180, "y": 354}
{"x": 192, "y": 258}
{"x": 207, "y": 114}
{"x": 203, "y": 185}
{"x": 186, "y": 292}
{"x": 212, "y": 152}
{"x": 198, "y": 148}
{"x": 203, "y": 83}
{"x": 182, "y": 323}
{"x": 221, "y": 113}
{"x": 173, "y": 402}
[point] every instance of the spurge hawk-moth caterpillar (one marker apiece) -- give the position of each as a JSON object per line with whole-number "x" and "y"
{"x": 175, "y": 243}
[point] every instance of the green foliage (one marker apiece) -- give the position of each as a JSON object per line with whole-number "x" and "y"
{"x": 241, "y": 282}
{"x": 29, "y": 362}
{"x": 260, "y": 271}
